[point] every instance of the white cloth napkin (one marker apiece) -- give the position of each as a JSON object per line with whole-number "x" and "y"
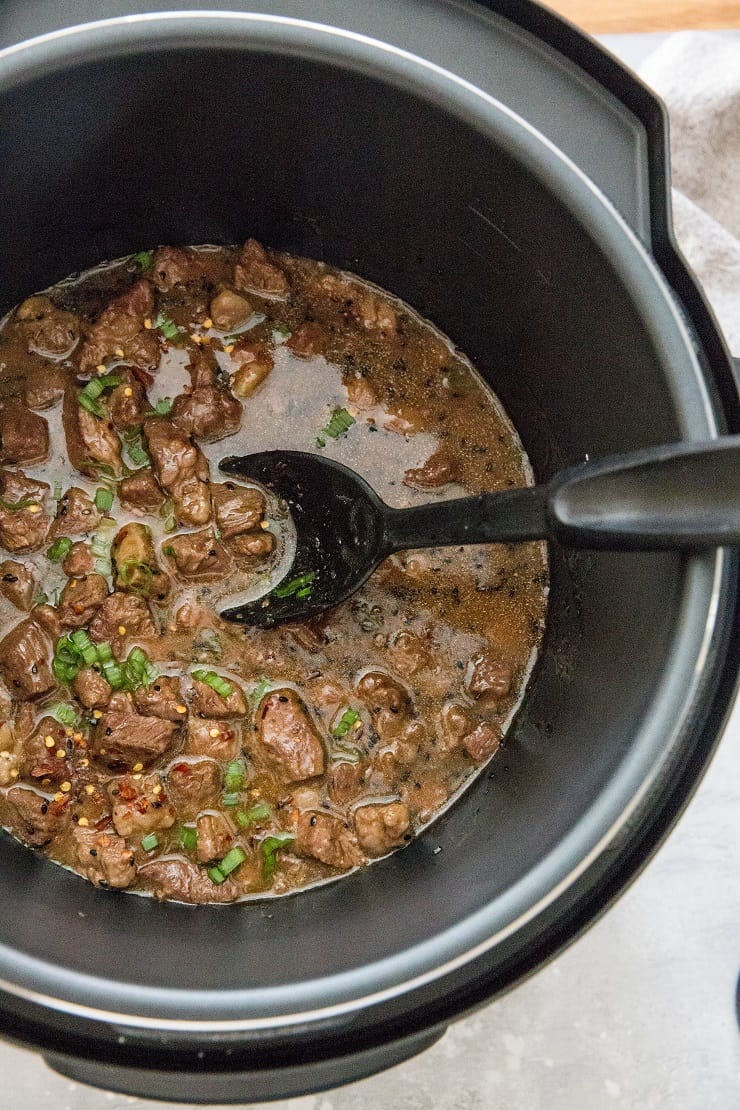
{"x": 698, "y": 76}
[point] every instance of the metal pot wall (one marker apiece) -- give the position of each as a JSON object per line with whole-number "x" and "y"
{"x": 509, "y": 181}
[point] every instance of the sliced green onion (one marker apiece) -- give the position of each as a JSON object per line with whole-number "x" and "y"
{"x": 103, "y": 500}
{"x": 345, "y": 722}
{"x": 261, "y": 812}
{"x": 16, "y": 506}
{"x": 169, "y": 523}
{"x": 234, "y": 777}
{"x": 271, "y": 845}
{"x": 68, "y": 660}
{"x": 346, "y": 753}
{"x": 338, "y": 424}
{"x": 233, "y": 859}
{"x": 105, "y": 652}
{"x": 301, "y": 583}
{"x": 284, "y": 330}
{"x": 90, "y": 405}
{"x": 215, "y": 681}
{"x": 138, "y": 670}
{"x": 100, "y": 546}
{"x": 65, "y": 714}
{"x": 169, "y": 550}
{"x": 259, "y": 691}
{"x": 59, "y": 550}
{"x": 143, "y": 259}
{"x": 94, "y": 388}
{"x": 304, "y": 593}
{"x": 232, "y": 799}
{"x": 57, "y": 492}
{"x": 149, "y": 842}
{"x": 41, "y": 598}
{"x": 216, "y": 875}
{"x": 163, "y": 406}
{"x": 168, "y": 327}
{"x": 137, "y": 453}
{"x": 113, "y": 675}
{"x": 189, "y": 837}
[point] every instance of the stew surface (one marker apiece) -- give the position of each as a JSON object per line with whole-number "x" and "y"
{"x": 145, "y": 743}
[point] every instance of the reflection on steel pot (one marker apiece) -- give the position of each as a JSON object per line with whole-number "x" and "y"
{"x": 509, "y": 181}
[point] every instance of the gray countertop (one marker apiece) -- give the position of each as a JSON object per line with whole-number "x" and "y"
{"x": 639, "y": 1014}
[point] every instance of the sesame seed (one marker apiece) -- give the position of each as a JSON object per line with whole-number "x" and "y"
{"x": 214, "y": 732}
{"x": 181, "y": 708}
{"x": 137, "y": 777}
{"x": 34, "y": 508}
{"x": 148, "y": 324}
{"x": 97, "y": 714}
{"x": 89, "y": 789}
{"x": 208, "y": 322}
{"x": 84, "y": 822}
{"x": 49, "y": 741}
{"x": 118, "y": 352}
{"x": 265, "y": 525}
{"x": 138, "y": 766}
{"x": 122, "y": 630}
{"x": 61, "y": 754}
{"x": 101, "y": 368}
{"x": 157, "y": 789}
{"x": 128, "y": 391}
{"x": 65, "y": 787}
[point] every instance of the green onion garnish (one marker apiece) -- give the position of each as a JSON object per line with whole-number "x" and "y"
{"x": 68, "y": 658}
{"x": 113, "y": 675}
{"x": 90, "y": 405}
{"x": 296, "y": 586}
{"x": 234, "y": 778}
{"x": 168, "y": 549}
{"x": 163, "y": 406}
{"x": 88, "y": 398}
{"x": 57, "y": 492}
{"x": 232, "y": 860}
{"x": 259, "y": 691}
{"x": 143, "y": 259}
{"x": 100, "y": 546}
{"x": 103, "y": 500}
{"x": 189, "y": 837}
{"x": 16, "y": 506}
{"x": 271, "y": 845}
{"x": 105, "y": 652}
{"x": 65, "y": 714}
{"x": 59, "y": 550}
{"x": 138, "y": 670}
{"x": 339, "y": 424}
{"x": 149, "y": 842}
{"x": 168, "y": 328}
{"x": 232, "y": 799}
{"x": 345, "y": 722}
{"x": 261, "y": 812}
{"x": 284, "y": 330}
{"x": 215, "y": 681}
{"x": 216, "y": 875}
{"x": 84, "y": 646}
{"x": 136, "y": 451}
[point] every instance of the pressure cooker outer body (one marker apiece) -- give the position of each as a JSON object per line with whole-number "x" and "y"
{"x": 453, "y": 158}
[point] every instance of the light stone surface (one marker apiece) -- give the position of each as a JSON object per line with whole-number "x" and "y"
{"x": 639, "y": 1014}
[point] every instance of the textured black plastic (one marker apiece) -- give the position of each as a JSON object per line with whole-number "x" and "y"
{"x": 202, "y": 142}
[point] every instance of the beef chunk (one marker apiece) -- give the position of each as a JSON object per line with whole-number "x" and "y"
{"x": 181, "y": 469}
{"x": 215, "y": 837}
{"x": 438, "y": 470}
{"x": 163, "y": 698}
{"x": 388, "y": 701}
{"x": 253, "y": 545}
{"x": 80, "y": 560}
{"x": 136, "y": 566}
{"x": 125, "y": 737}
{"x": 140, "y": 493}
{"x": 17, "y": 584}
{"x": 307, "y": 340}
{"x": 346, "y": 781}
{"x": 288, "y": 738}
{"x": 410, "y": 653}
{"x": 488, "y": 678}
{"x": 100, "y": 441}
{"x": 361, "y": 305}
{"x": 256, "y": 272}
{"x": 47, "y": 617}
{"x": 237, "y": 509}
{"x": 24, "y": 661}
{"x": 49, "y": 331}
{"x": 361, "y": 394}
{"x": 327, "y": 838}
{"x": 228, "y": 310}
{"x": 36, "y": 819}
{"x": 24, "y": 520}
{"x": 39, "y": 759}
{"x": 481, "y": 743}
{"x": 76, "y": 515}
{"x": 207, "y": 703}
{"x": 197, "y": 555}
{"x": 173, "y": 266}
{"x": 80, "y": 600}
{"x": 382, "y": 827}
{"x": 44, "y": 389}
{"x": 120, "y": 328}
{"x": 183, "y": 881}
{"x": 139, "y": 806}
{"x": 208, "y": 410}
{"x": 119, "y": 611}
{"x": 127, "y": 404}
{"x": 24, "y": 435}
{"x": 91, "y": 689}
{"x": 195, "y": 786}
{"x": 457, "y": 722}
{"x": 252, "y": 363}
{"x": 220, "y": 740}
{"x": 105, "y": 859}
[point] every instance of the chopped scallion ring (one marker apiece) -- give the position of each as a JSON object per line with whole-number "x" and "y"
{"x": 215, "y": 681}
{"x": 149, "y": 842}
{"x": 103, "y": 500}
{"x": 59, "y": 550}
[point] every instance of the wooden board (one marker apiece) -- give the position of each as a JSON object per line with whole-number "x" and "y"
{"x": 603, "y": 17}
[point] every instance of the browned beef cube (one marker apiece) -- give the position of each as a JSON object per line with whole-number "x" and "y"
{"x": 289, "y": 741}
{"x": 25, "y": 661}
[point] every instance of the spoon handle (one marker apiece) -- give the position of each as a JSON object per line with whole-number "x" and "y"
{"x": 682, "y": 496}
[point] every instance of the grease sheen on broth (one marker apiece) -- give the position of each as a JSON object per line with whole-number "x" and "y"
{"x": 294, "y": 755}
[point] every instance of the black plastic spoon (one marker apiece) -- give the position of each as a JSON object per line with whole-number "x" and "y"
{"x": 684, "y": 496}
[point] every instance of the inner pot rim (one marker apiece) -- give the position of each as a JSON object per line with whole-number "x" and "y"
{"x": 686, "y": 672}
